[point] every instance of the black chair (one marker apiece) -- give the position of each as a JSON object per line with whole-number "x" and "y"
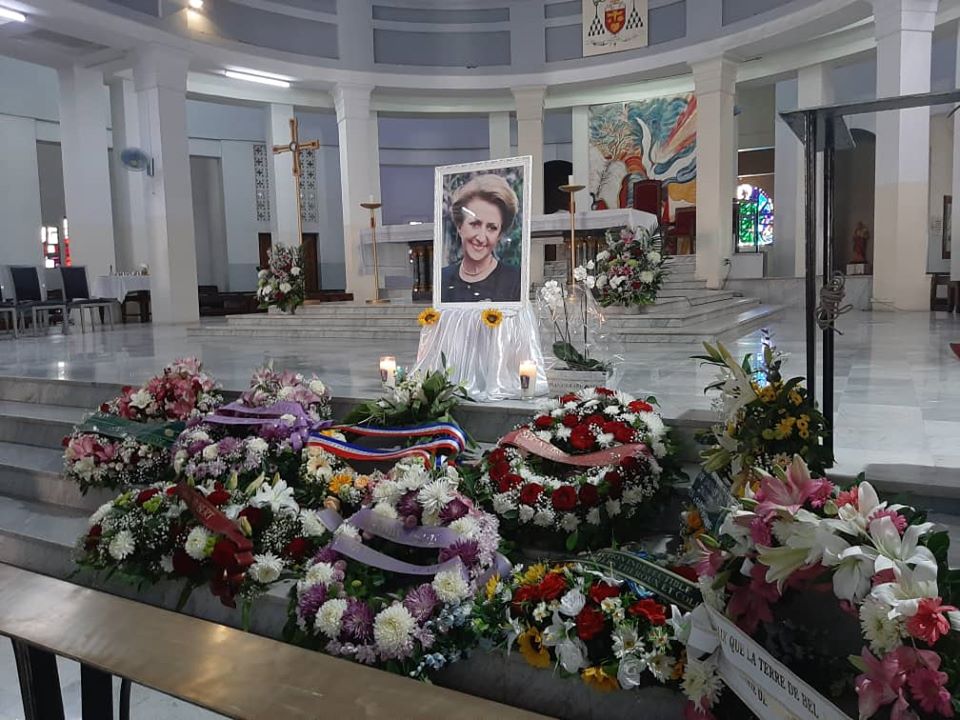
{"x": 26, "y": 288}
{"x": 77, "y": 293}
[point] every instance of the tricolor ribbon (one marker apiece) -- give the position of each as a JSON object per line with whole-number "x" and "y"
{"x": 451, "y": 441}
{"x": 525, "y": 439}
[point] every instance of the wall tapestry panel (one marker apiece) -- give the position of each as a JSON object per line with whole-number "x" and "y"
{"x": 647, "y": 140}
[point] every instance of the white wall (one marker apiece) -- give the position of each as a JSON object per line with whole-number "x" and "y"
{"x": 240, "y": 210}
{"x": 941, "y": 182}
{"x": 780, "y": 258}
{"x": 19, "y": 196}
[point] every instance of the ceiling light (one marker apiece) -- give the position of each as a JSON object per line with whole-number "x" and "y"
{"x": 196, "y": 4}
{"x": 12, "y": 15}
{"x": 262, "y": 79}
{"x": 257, "y": 78}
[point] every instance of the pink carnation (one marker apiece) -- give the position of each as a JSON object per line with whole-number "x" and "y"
{"x": 930, "y": 622}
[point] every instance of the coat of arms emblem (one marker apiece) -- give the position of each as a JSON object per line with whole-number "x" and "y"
{"x": 615, "y": 16}
{"x": 611, "y": 25}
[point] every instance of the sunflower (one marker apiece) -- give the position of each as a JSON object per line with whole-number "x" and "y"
{"x": 492, "y": 317}
{"x": 532, "y": 649}
{"x": 534, "y": 574}
{"x": 598, "y": 679}
{"x": 430, "y": 316}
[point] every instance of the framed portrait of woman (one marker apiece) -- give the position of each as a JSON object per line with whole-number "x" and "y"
{"x": 481, "y": 242}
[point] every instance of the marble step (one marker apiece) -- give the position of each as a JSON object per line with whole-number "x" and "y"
{"x": 68, "y": 393}
{"x": 35, "y": 424}
{"x": 678, "y": 317}
{"x": 34, "y": 473}
{"x": 726, "y": 330}
{"x": 41, "y": 538}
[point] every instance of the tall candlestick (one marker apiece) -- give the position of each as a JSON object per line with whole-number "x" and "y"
{"x": 372, "y": 206}
{"x": 572, "y": 190}
{"x": 388, "y": 371}
{"x": 528, "y": 378}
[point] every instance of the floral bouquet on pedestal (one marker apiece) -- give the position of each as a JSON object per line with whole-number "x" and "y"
{"x": 128, "y": 441}
{"x": 799, "y": 538}
{"x": 395, "y": 588}
{"x": 629, "y": 272}
{"x": 765, "y": 420}
{"x": 151, "y": 535}
{"x": 581, "y": 473}
{"x": 281, "y": 285}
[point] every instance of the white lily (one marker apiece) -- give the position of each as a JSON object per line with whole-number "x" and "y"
{"x": 896, "y": 550}
{"x": 905, "y": 593}
{"x": 279, "y": 497}
{"x": 736, "y": 525}
{"x": 572, "y": 602}
{"x": 854, "y": 568}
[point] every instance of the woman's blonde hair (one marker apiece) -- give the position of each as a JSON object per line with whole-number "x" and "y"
{"x": 492, "y": 188}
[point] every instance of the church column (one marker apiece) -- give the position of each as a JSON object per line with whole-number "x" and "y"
{"x": 499, "y": 124}
{"x": 715, "y": 87}
{"x": 359, "y": 179}
{"x": 580, "y": 141}
{"x": 904, "y": 30}
{"x": 529, "y": 101}
{"x": 955, "y": 219}
{"x": 160, "y": 77}
{"x": 86, "y": 171}
{"x": 129, "y": 213}
{"x": 283, "y": 220}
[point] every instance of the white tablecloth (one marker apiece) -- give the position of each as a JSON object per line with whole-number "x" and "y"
{"x": 117, "y": 286}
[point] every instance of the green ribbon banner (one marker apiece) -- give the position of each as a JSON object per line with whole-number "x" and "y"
{"x": 672, "y": 587}
{"x": 158, "y": 434}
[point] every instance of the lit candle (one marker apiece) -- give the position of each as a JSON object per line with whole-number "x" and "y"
{"x": 570, "y": 180}
{"x": 528, "y": 378}
{"x": 370, "y": 199}
{"x": 388, "y": 371}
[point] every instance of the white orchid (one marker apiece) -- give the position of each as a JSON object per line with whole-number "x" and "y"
{"x": 853, "y": 569}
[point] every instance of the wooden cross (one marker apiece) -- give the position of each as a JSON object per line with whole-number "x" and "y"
{"x": 295, "y": 146}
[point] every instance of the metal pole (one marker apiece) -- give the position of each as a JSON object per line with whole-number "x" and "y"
{"x": 810, "y": 254}
{"x": 828, "y": 260}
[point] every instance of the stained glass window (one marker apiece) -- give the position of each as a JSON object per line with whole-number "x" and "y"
{"x": 754, "y": 219}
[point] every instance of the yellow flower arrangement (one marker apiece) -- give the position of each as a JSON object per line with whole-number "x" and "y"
{"x": 430, "y": 316}
{"x": 598, "y": 679}
{"x": 492, "y": 317}
{"x": 534, "y": 574}
{"x": 532, "y": 649}
{"x": 491, "y": 586}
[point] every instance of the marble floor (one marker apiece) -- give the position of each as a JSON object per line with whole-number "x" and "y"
{"x": 897, "y": 381}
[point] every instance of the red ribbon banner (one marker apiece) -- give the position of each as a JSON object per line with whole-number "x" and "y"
{"x": 526, "y": 440}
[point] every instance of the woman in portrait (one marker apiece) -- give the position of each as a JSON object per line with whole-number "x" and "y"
{"x": 483, "y": 211}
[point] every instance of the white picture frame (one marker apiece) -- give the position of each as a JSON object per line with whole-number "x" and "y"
{"x": 447, "y": 250}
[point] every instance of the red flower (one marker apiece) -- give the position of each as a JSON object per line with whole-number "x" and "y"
{"x": 542, "y": 422}
{"x": 525, "y": 594}
{"x": 570, "y": 420}
{"x": 564, "y": 498}
{"x": 145, "y": 495}
{"x": 219, "y": 496}
{"x": 183, "y": 564}
{"x": 496, "y": 455}
{"x": 629, "y": 463}
{"x": 172, "y": 490}
{"x": 595, "y": 419}
{"x": 614, "y": 484}
{"x": 606, "y": 392}
{"x": 64, "y": 441}
{"x": 601, "y": 591}
{"x": 224, "y": 554}
{"x": 499, "y": 469}
{"x": 589, "y": 623}
{"x": 530, "y": 493}
{"x": 640, "y": 406}
{"x": 582, "y": 438}
{"x": 930, "y": 621}
{"x": 552, "y": 586}
{"x": 297, "y": 548}
{"x": 621, "y": 432}
{"x": 93, "y": 537}
{"x": 509, "y": 481}
{"x": 253, "y": 515}
{"x": 569, "y": 397}
{"x": 650, "y": 609}
{"x": 589, "y": 495}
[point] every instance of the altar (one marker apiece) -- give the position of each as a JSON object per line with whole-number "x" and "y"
{"x": 405, "y": 252}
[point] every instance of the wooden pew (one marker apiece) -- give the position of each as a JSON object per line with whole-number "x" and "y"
{"x": 216, "y": 667}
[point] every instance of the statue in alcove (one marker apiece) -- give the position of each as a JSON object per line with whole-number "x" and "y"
{"x": 861, "y": 236}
